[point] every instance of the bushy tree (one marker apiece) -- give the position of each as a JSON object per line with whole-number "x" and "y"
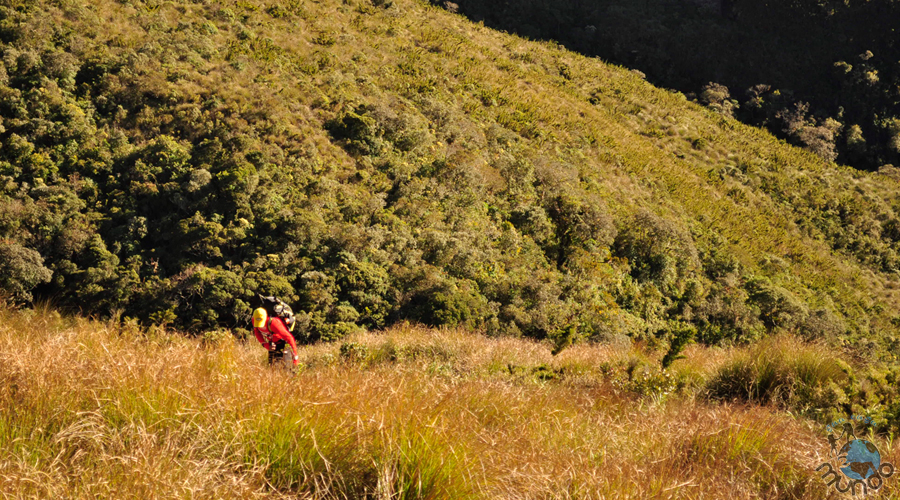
{"x": 657, "y": 251}
{"x": 21, "y": 269}
{"x": 718, "y": 98}
{"x": 778, "y": 306}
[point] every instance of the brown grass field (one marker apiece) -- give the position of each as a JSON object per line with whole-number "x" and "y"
{"x": 100, "y": 410}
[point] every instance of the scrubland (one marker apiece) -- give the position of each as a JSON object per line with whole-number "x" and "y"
{"x": 375, "y": 162}
{"x": 100, "y": 410}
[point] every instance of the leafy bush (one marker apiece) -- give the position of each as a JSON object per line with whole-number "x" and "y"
{"x": 726, "y": 316}
{"x": 718, "y": 98}
{"x": 778, "y": 306}
{"x": 353, "y": 352}
{"x": 21, "y": 269}
{"x": 359, "y": 132}
{"x": 640, "y": 377}
{"x": 657, "y": 251}
{"x": 438, "y": 301}
{"x": 581, "y": 222}
{"x": 681, "y": 335}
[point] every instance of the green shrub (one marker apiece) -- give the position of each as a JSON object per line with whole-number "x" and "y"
{"x": 358, "y": 132}
{"x": 329, "y": 332}
{"x": 640, "y": 376}
{"x": 354, "y": 352}
{"x": 459, "y": 305}
{"x": 718, "y": 98}
{"x": 657, "y": 251}
{"x": 823, "y": 324}
{"x": 680, "y": 336}
{"x": 581, "y": 222}
{"x": 725, "y": 316}
{"x": 212, "y": 295}
{"x": 403, "y": 128}
{"x": 21, "y": 269}
{"x": 217, "y": 336}
{"x": 318, "y": 293}
{"x": 778, "y": 306}
{"x": 366, "y": 287}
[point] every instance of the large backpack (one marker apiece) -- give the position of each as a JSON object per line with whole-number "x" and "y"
{"x": 275, "y": 307}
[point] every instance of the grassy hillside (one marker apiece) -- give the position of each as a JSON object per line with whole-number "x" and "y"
{"x": 97, "y": 410}
{"x": 375, "y": 162}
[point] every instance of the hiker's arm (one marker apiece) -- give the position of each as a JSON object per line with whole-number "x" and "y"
{"x": 260, "y": 338}
{"x": 285, "y": 334}
{"x": 293, "y": 343}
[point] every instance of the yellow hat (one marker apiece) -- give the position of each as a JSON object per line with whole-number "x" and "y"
{"x": 259, "y": 318}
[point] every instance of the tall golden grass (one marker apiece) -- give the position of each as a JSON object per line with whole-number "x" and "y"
{"x": 97, "y": 410}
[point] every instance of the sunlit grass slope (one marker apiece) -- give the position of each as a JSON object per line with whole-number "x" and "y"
{"x": 377, "y": 161}
{"x": 95, "y": 410}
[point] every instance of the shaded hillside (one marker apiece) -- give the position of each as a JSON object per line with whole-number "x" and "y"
{"x": 822, "y": 74}
{"x": 375, "y": 162}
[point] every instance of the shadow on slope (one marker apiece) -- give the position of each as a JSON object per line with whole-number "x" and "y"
{"x": 770, "y": 57}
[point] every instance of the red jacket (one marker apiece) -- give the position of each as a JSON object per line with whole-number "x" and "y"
{"x": 274, "y": 331}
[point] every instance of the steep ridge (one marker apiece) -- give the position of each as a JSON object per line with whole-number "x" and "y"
{"x": 378, "y": 161}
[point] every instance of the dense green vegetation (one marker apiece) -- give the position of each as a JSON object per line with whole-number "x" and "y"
{"x": 824, "y": 74}
{"x": 377, "y": 161}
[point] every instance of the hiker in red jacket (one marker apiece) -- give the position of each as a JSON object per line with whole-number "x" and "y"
{"x": 272, "y": 333}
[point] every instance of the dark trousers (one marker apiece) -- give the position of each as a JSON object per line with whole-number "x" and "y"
{"x": 277, "y": 353}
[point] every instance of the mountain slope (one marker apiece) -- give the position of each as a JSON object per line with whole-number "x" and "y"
{"x": 371, "y": 162}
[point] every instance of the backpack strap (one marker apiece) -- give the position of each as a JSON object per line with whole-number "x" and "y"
{"x": 268, "y": 329}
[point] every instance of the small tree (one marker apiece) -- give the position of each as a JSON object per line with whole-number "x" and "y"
{"x": 718, "y": 98}
{"x": 21, "y": 269}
